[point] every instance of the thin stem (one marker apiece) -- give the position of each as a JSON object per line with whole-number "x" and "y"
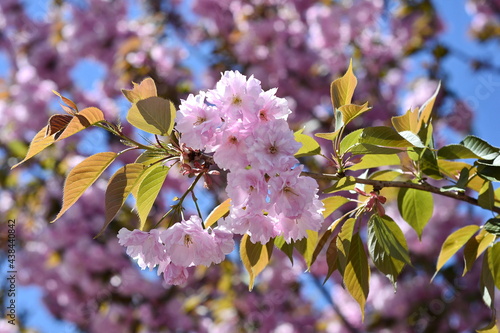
{"x": 195, "y": 200}
{"x": 181, "y": 200}
{"x": 110, "y": 129}
{"x": 422, "y": 187}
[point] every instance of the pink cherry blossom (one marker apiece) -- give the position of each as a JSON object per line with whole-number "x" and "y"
{"x": 271, "y": 147}
{"x": 198, "y": 122}
{"x": 145, "y": 247}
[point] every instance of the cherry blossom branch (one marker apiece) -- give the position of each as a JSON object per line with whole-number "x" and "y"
{"x": 379, "y": 184}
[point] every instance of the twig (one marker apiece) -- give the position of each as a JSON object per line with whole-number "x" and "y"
{"x": 422, "y": 187}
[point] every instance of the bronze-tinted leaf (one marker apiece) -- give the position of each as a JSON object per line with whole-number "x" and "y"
{"x": 82, "y": 176}
{"x": 57, "y": 123}
{"x": 84, "y": 119}
{"x": 39, "y": 143}
{"x": 145, "y": 89}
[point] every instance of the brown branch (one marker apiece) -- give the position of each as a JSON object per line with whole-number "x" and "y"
{"x": 422, "y": 187}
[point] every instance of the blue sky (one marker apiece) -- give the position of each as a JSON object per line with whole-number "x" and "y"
{"x": 481, "y": 89}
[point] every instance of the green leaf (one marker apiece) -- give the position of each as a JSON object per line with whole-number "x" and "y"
{"x": 480, "y": 147}
{"x": 307, "y": 245}
{"x": 387, "y": 175}
{"x": 428, "y": 163}
{"x": 154, "y": 115}
{"x": 255, "y": 257}
{"x": 412, "y": 138}
{"x": 493, "y": 226}
{"x": 494, "y": 263}
{"x": 119, "y": 187}
{"x": 487, "y": 281}
{"x": 366, "y": 148}
{"x": 491, "y": 328}
{"x": 331, "y": 258}
{"x": 349, "y": 141}
{"x": 357, "y": 273}
{"x": 454, "y": 152}
{"x": 389, "y": 236}
{"x": 416, "y": 208}
{"x": 383, "y": 136}
{"x": 82, "y": 176}
{"x": 453, "y": 243}
{"x": 145, "y": 89}
{"x": 475, "y": 247}
{"x": 286, "y": 248}
{"x": 321, "y": 243}
{"x": 148, "y": 190}
{"x": 376, "y": 160}
{"x": 218, "y": 212}
{"x": 490, "y": 173}
{"x": 343, "y": 184}
{"x": 149, "y": 157}
{"x": 332, "y": 204}
{"x": 309, "y": 146}
{"x": 387, "y": 246}
{"x": 352, "y": 111}
{"x": 343, "y": 243}
{"x": 342, "y": 89}
{"x": 486, "y": 198}
{"x": 328, "y": 136}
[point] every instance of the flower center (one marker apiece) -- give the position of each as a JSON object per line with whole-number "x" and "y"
{"x": 273, "y": 149}
{"x": 199, "y": 120}
{"x": 188, "y": 241}
{"x": 237, "y": 100}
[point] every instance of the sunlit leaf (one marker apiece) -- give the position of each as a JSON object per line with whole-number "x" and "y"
{"x": 82, "y": 176}
{"x": 357, "y": 273}
{"x": 309, "y": 145}
{"x": 154, "y": 115}
{"x": 426, "y": 109}
{"x": 406, "y": 122}
{"x": 255, "y": 257}
{"x": 480, "y": 147}
{"x": 416, "y": 208}
{"x": 366, "y": 148}
{"x": 148, "y": 191}
{"x": 475, "y": 247}
{"x": 453, "y": 243}
{"x": 487, "y": 281}
{"x": 286, "y": 248}
{"x": 383, "y": 136}
{"x": 486, "y": 198}
{"x": 119, "y": 187}
{"x": 145, "y": 89}
{"x": 39, "y": 143}
{"x": 494, "y": 263}
{"x": 82, "y": 120}
{"x": 454, "y": 152}
{"x": 350, "y": 140}
{"x": 352, "y": 111}
{"x": 376, "y": 160}
{"x": 342, "y": 89}
{"x": 412, "y": 138}
{"x": 332, "y": 204}
{"x": 68, "y": 102}
{"x": 328, "y": 136}
{"x": 218, "y": 212}
{"x": 343, "y": 243}
{"x": 343, "y": 184}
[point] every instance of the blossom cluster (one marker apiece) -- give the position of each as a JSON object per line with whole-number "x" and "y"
{"x": 246, "y": 129}
{"x": 183, "y": 245}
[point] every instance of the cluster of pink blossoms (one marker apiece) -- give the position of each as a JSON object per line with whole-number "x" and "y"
{"x": 246, "y": 129}
{"x": 183, "y": 245}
